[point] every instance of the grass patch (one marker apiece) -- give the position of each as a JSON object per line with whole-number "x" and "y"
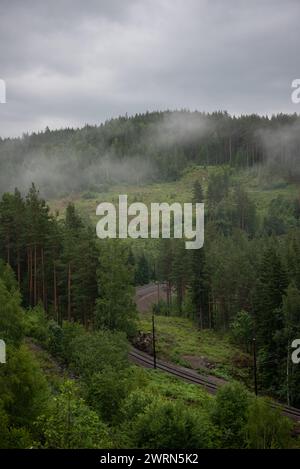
{"x": 173, "y": 388}
{"x": 261, "y": 186}
{"x": 179, "y": 338}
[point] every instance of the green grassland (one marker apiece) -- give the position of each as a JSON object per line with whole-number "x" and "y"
{"x": 174, "y": 388}
{"x": 261, "y": 186}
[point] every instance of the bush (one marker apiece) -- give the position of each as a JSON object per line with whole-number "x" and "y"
{"x": 36, "y": 325}
{"x": 172, "y": 425}
{"x": 230, "y": 413}
{"x": 106, "y": 391}
{"x": 71, "y": 423}
{"x": 23, "y": 388}
{"x": 93, "y": 352}
{"x": 11, "y": 315}
{"x": 71, "y": 331}
{"x": 12, "y": 437}
{"x": 55, "y": 344}
{"x": 267, "y": 428}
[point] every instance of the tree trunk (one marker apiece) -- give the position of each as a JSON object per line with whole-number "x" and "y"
{"x": 30, "y": 277}
{"x": 55, "y": 291}
{"x": 69, "y": 292}
{"x": 200, "y": 318}
{"x": 43, "y": 278}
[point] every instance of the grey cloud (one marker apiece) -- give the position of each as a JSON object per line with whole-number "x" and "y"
{"x": 67, "y": 62}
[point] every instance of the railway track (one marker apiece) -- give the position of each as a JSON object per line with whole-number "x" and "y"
{"x": 209, "y": 383}
{"x": 143, "y": 359}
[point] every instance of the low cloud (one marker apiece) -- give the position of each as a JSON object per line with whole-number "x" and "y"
{"x": 282, "y": 150}
{"x": 69, "y": 63}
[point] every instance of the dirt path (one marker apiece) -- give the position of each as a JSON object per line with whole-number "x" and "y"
{"x": 148, "y": 295}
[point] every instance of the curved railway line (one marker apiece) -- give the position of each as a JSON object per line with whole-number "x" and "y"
{"x": 210, "y": 383}
{"x": 145, "y": 360}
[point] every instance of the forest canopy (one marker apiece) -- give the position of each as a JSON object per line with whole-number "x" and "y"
{"x": 147, "y": 147}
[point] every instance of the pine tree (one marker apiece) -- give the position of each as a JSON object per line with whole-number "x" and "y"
{"x": 115, "y": 309}
{"x": 268, "y": 318}
{"x": 199, "y": 287}
{"x": 165, "y": 267}
{"x": 142, "y": 274}
{"x": 180, "y": 272}
{"x": 198, "y": 196}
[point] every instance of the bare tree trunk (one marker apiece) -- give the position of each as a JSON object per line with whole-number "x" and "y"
{"x": 69, "y": 292}
{"x": 55, "y": 291}
{"x": 200, "y": 318}
{"x": 43, "y": 278}
{"x": 30, "y": 276}
{"x": 168, "y": 297}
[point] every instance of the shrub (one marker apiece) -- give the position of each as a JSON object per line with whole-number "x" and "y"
{"x": 230, "y": 412}
{"x": 267, "y": 428}
{"x": 166, "y": 424}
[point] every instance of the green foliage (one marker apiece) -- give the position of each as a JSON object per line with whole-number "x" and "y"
{"x": 242, "y": 330}
{"x": 199, "y": 288}
{"x": 142, "y": 273}
{"x": 115, "y": 309}
{"x": 23, "y": 388}
{"x": 218, "y": 187}
{"x": 106, "y": 391}
{"x": 70, "y": 332}
{"x": 62, "y": 274}
{"x": 171, "y": 425}
{"x": 11, "y": 315}
{"x": 269, "y": 319}
{"x": 266, "y": 428}
{"x": 36, "y": 324}
{"x": 280, "y": 216}
{"x": 12, "y": 437}
{"x": 291, "y": 330}
{"x": 245, "y": 216}
{"x": 229, "y": 414}
{"x": 198, "y": 196}
{"x": 71, "y": 424}
{"x": 130, "y": 149}
{"x": 8, "y": 277}
{"x": 90, "y": 353}
{"x": 136, "y": 403}
{"x": 56, "y": 336}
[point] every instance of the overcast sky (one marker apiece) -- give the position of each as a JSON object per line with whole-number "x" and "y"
{"x": 71, "y": 62}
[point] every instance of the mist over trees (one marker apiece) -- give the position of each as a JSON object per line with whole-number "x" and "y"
{"x": 147, "y": 147}
{"x": 65, "y": 292}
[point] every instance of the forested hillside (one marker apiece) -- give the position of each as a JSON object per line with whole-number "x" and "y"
{"x": 147, "y": 147}
{"x": 67, "y": 298}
